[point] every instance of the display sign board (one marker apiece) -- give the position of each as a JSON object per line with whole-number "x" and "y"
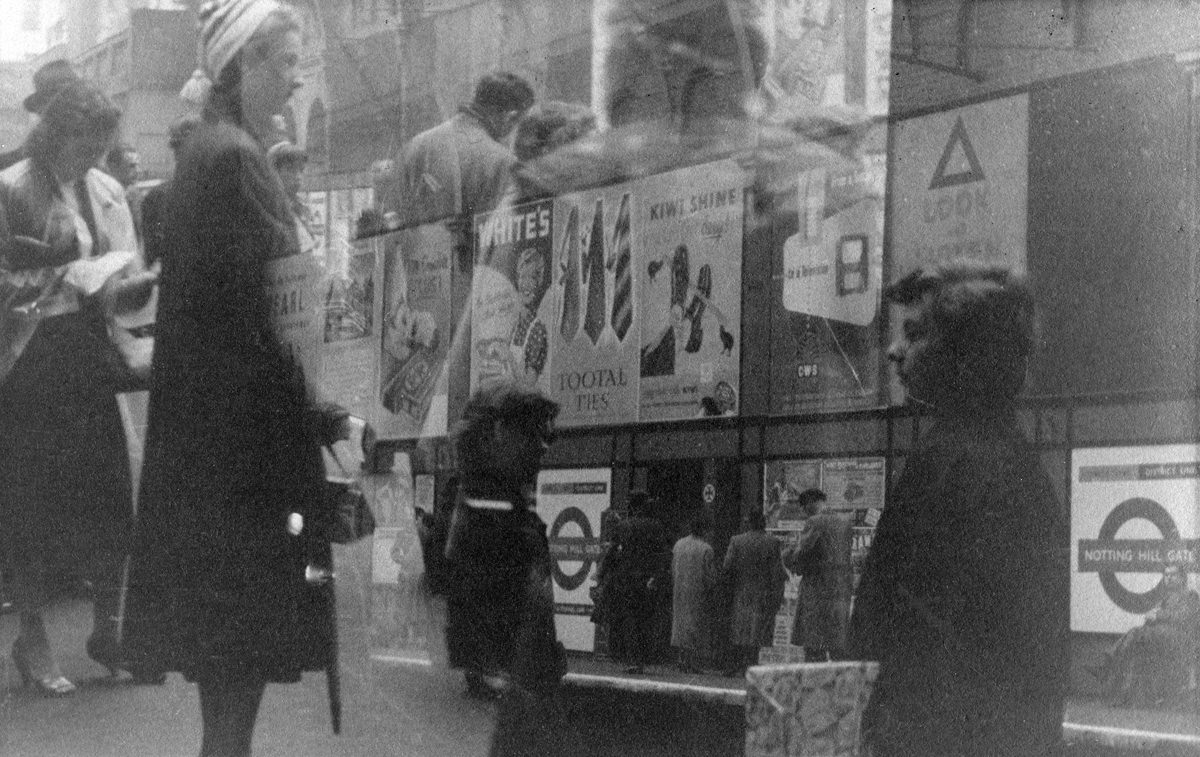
{"x": 571, "y": 502}
{"x": 1133, "y": 512}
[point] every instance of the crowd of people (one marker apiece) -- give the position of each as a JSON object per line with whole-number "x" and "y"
{"x": 963, "y": 596}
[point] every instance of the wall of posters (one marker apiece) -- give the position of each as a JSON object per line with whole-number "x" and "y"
{"x": 825, "y": 309}
{"x": 688, "y": 242}
{"x": 412, "y": 392}
{"x": 318, "y": 222}
{"x": 510, "y": 311}
{"x": 572, "y": 502}
{"x": 348, "y": 332}
{"x": 854, "y": 485}
{"x": 595, "y": 330}
{"x": 1134, "y": 510}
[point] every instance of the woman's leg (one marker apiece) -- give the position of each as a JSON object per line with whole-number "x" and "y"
{"x": 229, "y": 702}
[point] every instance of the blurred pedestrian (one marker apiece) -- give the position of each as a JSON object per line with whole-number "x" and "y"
{"x": 638, "y": 569}
{"x": 542, "y": 168}
{"x": 964, "y": 596}
{"x": 48, "y": 79}
{"x": 289, "y": 160}
{"x": 460, "y": 167}
{"x": 218, "y": 587}
{"x": 66, "y": 246}
{"x": 754, "y": 570}
{"x": 155, "y": 202}
{"x": 694, "y": 576}
{"x": 124, "y": 164}
{"x": 821, "y": 558}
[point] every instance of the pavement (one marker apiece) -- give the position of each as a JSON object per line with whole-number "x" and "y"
{"x": 407, "y": 707}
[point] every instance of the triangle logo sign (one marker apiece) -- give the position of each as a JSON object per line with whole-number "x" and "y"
{"x": 959, "y": 164}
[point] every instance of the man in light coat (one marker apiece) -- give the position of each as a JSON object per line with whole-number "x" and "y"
{"x": 753, "y": 567}
{"x": 694, "y": 575}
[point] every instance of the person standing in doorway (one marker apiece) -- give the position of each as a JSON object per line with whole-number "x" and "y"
{"x": 754, "y": 569}
{"x": 821, "y": 558}
{"x": 694, "y": 575}
{"x": 637, "y": 569}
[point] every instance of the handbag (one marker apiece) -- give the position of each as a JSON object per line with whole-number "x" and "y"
{"x": 348, "y": 517}
{"x": 131, "y": 327}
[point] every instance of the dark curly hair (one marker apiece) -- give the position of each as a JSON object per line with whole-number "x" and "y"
{"x": 491, "y": 405}
{"x": 78, "y": 109}
{"x": 984, "y": 316}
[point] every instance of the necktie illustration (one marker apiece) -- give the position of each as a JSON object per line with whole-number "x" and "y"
{"x": 568, "y": 326}
{"x": 593, "y": 276}
{"x": 622, "y": 309}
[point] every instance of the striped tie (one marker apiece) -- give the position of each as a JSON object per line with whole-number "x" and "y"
{"x": 569, "y": 325}
{"x": 622, "y": 309}
{"x": 593, "y": 276}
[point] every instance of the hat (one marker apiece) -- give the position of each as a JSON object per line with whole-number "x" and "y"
{"x": 225, "y": 28}
{"x": 47, "y": 82}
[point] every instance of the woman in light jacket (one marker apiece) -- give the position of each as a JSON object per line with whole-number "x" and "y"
{"x": 66, "y": 245}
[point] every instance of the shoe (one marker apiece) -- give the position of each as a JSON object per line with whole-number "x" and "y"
{"x": 106, "y": 651}
{"x": 51, "y": 684}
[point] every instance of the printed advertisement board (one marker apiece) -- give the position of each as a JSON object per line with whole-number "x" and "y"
{"x": 688, "y": 246}
{"x": 1133, "y": 512}
{"x": 572, "y": 502}
{"x": 411, "y": 399}
{"x": 510, "y": 310}
{"x": 826, "y": 326}
{"x": 595, "y": 329}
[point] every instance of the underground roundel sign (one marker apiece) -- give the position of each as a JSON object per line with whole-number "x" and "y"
{"x": 572, "y": 543}
{"x": 1108, "y": 555}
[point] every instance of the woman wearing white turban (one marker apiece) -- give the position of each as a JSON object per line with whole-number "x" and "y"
{"x": 217, "y": 589}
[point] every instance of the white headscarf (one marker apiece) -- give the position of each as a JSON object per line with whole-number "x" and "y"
{"x": 225, "y": 28}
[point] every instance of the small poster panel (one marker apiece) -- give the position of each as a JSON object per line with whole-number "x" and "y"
{"x": 688, "y": 241}
{"x": 510, "y": 310}
{"x": 349, "y": 329}
{"x": 853, "y": 485}
{"x": 293, "y": 290}
{"x": 594, "y": 330}
{"x": 399, "y": 613}
{"x": 826, "y": 338}
{"x": 1134, "y": 511}
{"x": 318, "y": 222}
{"x": 413, "y": 383}
{"x": 572, "y": 502}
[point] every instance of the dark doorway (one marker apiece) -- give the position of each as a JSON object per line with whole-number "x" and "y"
{"x": 678, "y": 486}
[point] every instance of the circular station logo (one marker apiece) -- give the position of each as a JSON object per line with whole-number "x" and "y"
{"x": 572, "y": 542}
{"x": 1109, "y": 556}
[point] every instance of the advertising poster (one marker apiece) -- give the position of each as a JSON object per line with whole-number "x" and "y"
{"x": 349, "y": 329}
{"x": 1133, "y": 512}
{"x": 572, "y": 502}
{"x": 510, "y": 310}
{"x": 594, "y": 331}
{"x": 960, "y": 185}
{"x": 413, "y": 384}
{"x": 399, "y": 614}
{"x": 853, "y": 485}
{"x": 826, "y": 333}
{"x": 960, "y": 189}
{"x": 318, "y": 222}
{"x": 293, "y": 290}
{"x": 829, "y": 53}
{"x": 688, "y": 239}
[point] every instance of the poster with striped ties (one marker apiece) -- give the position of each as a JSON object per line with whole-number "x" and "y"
{"x": 594, "y": 332}
{"x": 510, "y": 310}
{"x": 688, "y": 240}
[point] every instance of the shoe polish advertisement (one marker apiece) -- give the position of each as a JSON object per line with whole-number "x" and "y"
{"x": 594, "y": 327}
{"x": 826, "y": 295}
{"x": 413, "y": 385}
{"x": 510, "y": 310}
{"x": 689, "y": 249}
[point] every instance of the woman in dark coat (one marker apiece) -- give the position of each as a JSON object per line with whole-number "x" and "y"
{"x": 217, "y": 588}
